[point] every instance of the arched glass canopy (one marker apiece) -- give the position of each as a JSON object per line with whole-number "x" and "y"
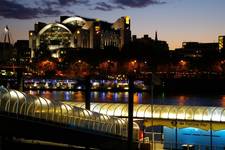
{"x": 20, "y": 103}
{"x": 76, "y": 21}
{"x": 188, "y": 113}
{"x": 54, "y": 27}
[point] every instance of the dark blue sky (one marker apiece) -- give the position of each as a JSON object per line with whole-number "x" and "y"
{"x": 175, "y": 20}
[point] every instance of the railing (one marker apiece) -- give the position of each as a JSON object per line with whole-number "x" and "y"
{"x": 179, "y": 146}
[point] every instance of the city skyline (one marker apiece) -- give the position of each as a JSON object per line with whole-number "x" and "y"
{"x": 176, "y": 21}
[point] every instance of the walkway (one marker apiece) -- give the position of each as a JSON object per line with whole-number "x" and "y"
{"x": 168, "y": 115}
{"x": 15, "y": 105}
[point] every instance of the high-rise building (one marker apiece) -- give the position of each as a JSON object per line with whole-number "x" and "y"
{"x": 80, "y": 32}
{"x": 221, "y": 41}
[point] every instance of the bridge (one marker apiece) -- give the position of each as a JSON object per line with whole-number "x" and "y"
{"x": 202, "y": 117}
{"x": 189, "y": 126}
{"x": 32, "y": 117}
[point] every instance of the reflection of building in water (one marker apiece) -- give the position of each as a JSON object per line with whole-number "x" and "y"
{"x": 78, "y": 32}
{"x": 223, "y": 101}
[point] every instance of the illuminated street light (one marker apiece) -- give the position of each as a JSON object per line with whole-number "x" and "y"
{"x": 183, "y": 63}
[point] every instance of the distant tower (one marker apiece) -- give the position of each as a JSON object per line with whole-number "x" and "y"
{"x": 6, "y": 35}
{"x": 156, "y": 36}
{"x": 7, "y": 52}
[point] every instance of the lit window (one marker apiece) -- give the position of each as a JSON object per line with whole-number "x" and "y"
{"x": 127, "y": 18}
{"x": 97, "y": 28}
{"x": 221, "y": 42}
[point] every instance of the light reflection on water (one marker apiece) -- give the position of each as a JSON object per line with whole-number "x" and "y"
{"x": 139, "y": 98}
{"x": 223, "y": 101}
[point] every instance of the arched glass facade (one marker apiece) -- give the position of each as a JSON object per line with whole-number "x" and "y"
{"x": 75, "y": 21}
{"x": 20, "y": 103}
{"x": 55, "y": 36}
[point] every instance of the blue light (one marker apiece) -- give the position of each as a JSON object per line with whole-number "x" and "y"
{"x": 194, "y": 136}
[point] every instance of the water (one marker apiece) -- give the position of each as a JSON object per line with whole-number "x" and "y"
{"x": 139, "y": 98}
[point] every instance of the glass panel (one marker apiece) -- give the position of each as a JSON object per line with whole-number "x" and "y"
{"x": 156, "y": 111}
{"x": 148, "y": 112}
{"x": 97, "y": 108}
{"x": 141, "y": 111}
{"x": 198, "y": 115}
{"x": 189, "y": 115}
{"x": 223, "y": 116}
{"x": 104, "y": 108}
{"x": 165, "y": 112}
{"x": 37, "y": 107}
{"x": 182, "y": 112}
{"x": 217, "y": 114}
{"x": 173, "y": 112}
{"x": 112, "y": 109}
{"x": 119, "y": 109}
{"x": 136, "y": 108}
{"x": 78, "y": 104}
{"x": 125, "y": 110}
{"x": 208, "y": 113}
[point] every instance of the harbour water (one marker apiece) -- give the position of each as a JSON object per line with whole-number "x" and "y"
{"x": 213, "y": 99}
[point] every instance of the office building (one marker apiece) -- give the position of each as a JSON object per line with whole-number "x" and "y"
{"x": 221, "y": 41}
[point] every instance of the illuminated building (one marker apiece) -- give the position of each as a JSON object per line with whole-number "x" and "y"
{"x": 221, "y": 41}
{"x": 79, "y": 32}
{"x": 196, "y": 49}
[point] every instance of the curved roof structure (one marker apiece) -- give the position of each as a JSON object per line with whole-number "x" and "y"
{"x": 74, "y": 21}
{"x": 20, "y": 103}
{"x": 52, "y": 25}
{"x": 186, "y": 113}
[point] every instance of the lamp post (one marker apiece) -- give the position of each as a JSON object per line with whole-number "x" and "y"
{"x": 87, "y": 92}
{"x": 130, "y": 111}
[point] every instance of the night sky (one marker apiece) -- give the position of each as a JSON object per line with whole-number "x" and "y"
{"x": 175, "y": 20}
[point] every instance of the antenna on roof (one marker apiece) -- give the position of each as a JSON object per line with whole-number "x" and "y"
{"x": 156, "y": 36}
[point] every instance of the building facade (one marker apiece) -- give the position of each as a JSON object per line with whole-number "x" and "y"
{"x": 221, "y": 40}
{"x": 23, "y": 51}
{"x": 79, "y": 32}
